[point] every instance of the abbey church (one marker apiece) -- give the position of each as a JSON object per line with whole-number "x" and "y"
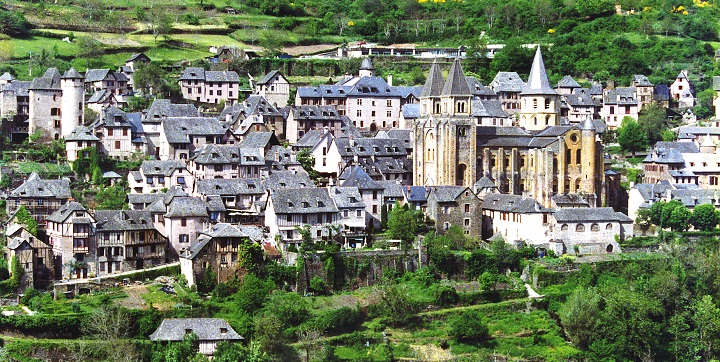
{"x": 537, "y": 157}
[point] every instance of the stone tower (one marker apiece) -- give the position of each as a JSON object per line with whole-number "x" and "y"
{"x": 589, "y": 160}
{"x": 366, "y": 68}
{"x": 445, "y": 147}
{"x": 539, "y": 102}
{"x": 72, "y": 105}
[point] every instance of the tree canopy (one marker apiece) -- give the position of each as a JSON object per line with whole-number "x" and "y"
{"x": 631, "y": 136}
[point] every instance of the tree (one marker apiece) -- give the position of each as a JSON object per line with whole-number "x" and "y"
{"x": 250, "y": 256}
{"x": 468, "y": 327}
{"x": 291, "y": 308}
{"x": 112, "y": 197}
{"x": 704, "y": 217}
{"x": 383, "y": 216}
{"x": 208, "y": 282}
{"x": 307, "y": 161}
{"x": 579, "y": 316}
{"x": 652, "y": 119}
{"x": 88, "y": 48}
{"x": 149, "y": 79}
{"x": 707, "y": 321}
{"x": 402, "y": 224}
{"x": 679, "y": 219}
{"x": 306, "y": 235}
{"x": 631, "y": 136}
{"x": 14, "y": 24}
{"x": 184, "y": 350}
{"x": 666, "y": 212}
{"x": 253, "y": 293}
{"x": 23, "y": 217}
{"x": 110, "y": 324}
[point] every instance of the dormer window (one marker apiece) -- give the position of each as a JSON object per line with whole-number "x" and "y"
{"x": 320, "y": 204}
{"x": 291, "y": 204}
{"x": 305, "y": 204}
{"x": 223, "y": 330}
{"x": 188, "y": 331}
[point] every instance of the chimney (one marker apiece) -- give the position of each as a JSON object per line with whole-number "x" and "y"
{"x": 352, "y": 141}
{"x": 390, "y": 79}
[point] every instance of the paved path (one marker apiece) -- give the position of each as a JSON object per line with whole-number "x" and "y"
{"x": 532, "y": 294}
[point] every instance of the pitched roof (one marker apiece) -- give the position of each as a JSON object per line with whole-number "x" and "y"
{"x": 568, "y": 82}
{"x": 288, "y": 179}
{"x": 136, "y": 56}
{"x": 456, "y": 85}
{"x": 411, "y": 110}
{"x": 484, "y": 183}
{"x": 640, "y": 80}
{"x": 590, "y": 214}
{"x": 49, "y": 81}
{"x": 21, "y": 88}
{"x": 488, "y": 108}
{"x": 311, "y": 138}
{"x": 161, "y": 168}
{"x": 477, "y": 88}
{"x": 230, "y": 187}
{"x": 81, "y": 133}
{"x": 302, "y": 201}
{"x": 117, "y": 220}
{"x": 446, "y": 193}
{"x": 145, "y": 198}
{"x": 357, "y": 177}
{"x": 538, "y": 81}
{"x": 434, "y": 83}
{"x": 96, "y": 75}
{"x": 184, "y": 206}
{"x": 72, "y": 74}
{"x": 621, "y": 96}
{"x": 372, "y": 87}
{"x": 259, "y": 140}
{"x": 347, "y": 197}
{"x": 7, "y": 76}
{"x": 65, "y": 211}
{"x": 266, "y": 79}
{"x": 179, "y": 130}
{"x": 507, "y": 82}
{"x": 163, "y": 107}
{"x": 512, "y": 203}
{"x": 212, "y": 154}
{"x": 34, "y": 186}
{"x": 207, "y": 329}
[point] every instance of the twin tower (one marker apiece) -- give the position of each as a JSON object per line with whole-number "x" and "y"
{"x": 450, "y": 148}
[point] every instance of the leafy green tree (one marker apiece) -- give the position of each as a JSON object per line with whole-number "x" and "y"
{"x": 23, "y": 217}
{"x": 468, "y": 327}
{"x": 308, "y": 242}
{"x": 667, "y": 211}
{"x": 88, "y": 48}
{"x": 395, "y": 303}
{"x": 250, "y": 256}
{"x": 402, "y": 224}
{"x": 14, "y": 24}
{"x": 208, "y": 282}
{"x": 383, "y": 216}
{"x": 253, "y": 293}
{"x": 290, "y": 307}
{"x": 150, "y": 79}
{"x": 631, "y": 136}
{"x": 236, "y": 352}
{"x": 707, "y": 321}
{"x": 653, "y": 120}
{"x": 307, "y": 161}
{"x": 580, "y": 316}
{"x": 269, "y": 332}
{"x": 183, "y": 351}
{"x": 704, "y": 217}
{"x": 112, "y": 197}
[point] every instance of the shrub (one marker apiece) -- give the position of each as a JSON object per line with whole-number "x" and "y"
{"x": 317, "y": 285}
{"x": 444, "y": 295}
{"x": 468, "y": 327}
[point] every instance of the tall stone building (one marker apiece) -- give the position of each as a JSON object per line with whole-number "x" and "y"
{"x": 536, "y": 161}
{"x": 56, "y": 103}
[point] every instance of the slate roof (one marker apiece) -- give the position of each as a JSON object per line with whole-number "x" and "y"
{"x": 488, "y": 108}
{"x": 661, "y": 155}
{"x": 223, "y": 230}
{"x": 582, "y": 98}
{"x": 65, "y": 211}
{"x": 456, "y": 85}
{"x": 568, "y": 82}
{"x": 123, "y": 220}
{"x": 477, "y": 88}
{"x": 259, "y": 140}
{"x": 518, "y": 137}
{"x": 693, "y": 197}
{"x": 267, "y": 77}
{"x": 302, "y": 201}
{"x": 596, "y": 89}
{"x": 590, "y": 214}
{"x": 661, "y": 93}
{"x": 96, "y": 75}
{"x": 163, "y": 107}
{"x": 311, "y": 138}
{"x": 701, "y": 131}
{"x": 484, "y": 183}
{"x": 683, "y": 147}
{"x": 21, "y": 88}
{"x": 161, "y": 168}
{"x": 212, "y": 154}
{"x": 392, "y": 189}
{"x": 367, "y": 147}
{"x": 569, "y": 199}
{"x": 621, "y": 96}
{"x": 372, "y": 87}
{"x": 230, "y": 187}
{"x": 179, "y": 130}
{"x": 281, "y": 156}
{"x": 71, "y": 74}
{"x": 411, "y": 111}
{"x": 81, "y": 133}
{"x": 7, "y": 76}
{"x": 49, "y": 81}
{"x": 511, "y": 203}
{"x": 347, "y": 197}
{"x": 324, "y": 91}
{"x": 195, "y": 73}
{"x": 288, "y": 179}
{"x": 310, "y": 112}
{"x": 416, "y": 194}
{"x": 100, "y": 96}
{"x": 538, "y": 81}
{"x": 507, "y": 82}
{"x": 207, "y": 329}
{"x": 404, "y": 135}
{"x": 444, "y": 194}
{"x": 357, "y": 177}
{"x": 112, "y": 117}
{"x": 407, "y": 91}
{"x": 256, "y": 104}
{"x": 185, "y": 206}
{"x": 651, "y": 191}
{"x": 135, "y": 56}
{"x": 640, "y": 80}
{"x": 434, "y": 83}
{"x": 34, "y": 186}
{"x": 251, "y": 157}
{"x": 145, "y": 198}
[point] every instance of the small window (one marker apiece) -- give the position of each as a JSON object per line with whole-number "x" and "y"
{"x": 580, "y": 228}
{"x": 594, "y": 227}
{"x": 564, "y": 227}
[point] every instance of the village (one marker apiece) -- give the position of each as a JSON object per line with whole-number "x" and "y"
{"x": 286, "y": 167}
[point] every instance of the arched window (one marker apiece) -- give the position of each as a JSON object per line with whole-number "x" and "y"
{"x": 564, "y": 227}
{"x": 609, "y": 248}
{"x": 535, "y": 103}
{"x": 608, "y": 226}
{"x": 580, "y": 228}
{"x": 547, "y": 120}
{"x": 577, "y": 157}
{"x": 567, "y": 157}
{"x": 594, "y": 227}
{"x": 522, "y": 161}
{"x": 547, "y": 104}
